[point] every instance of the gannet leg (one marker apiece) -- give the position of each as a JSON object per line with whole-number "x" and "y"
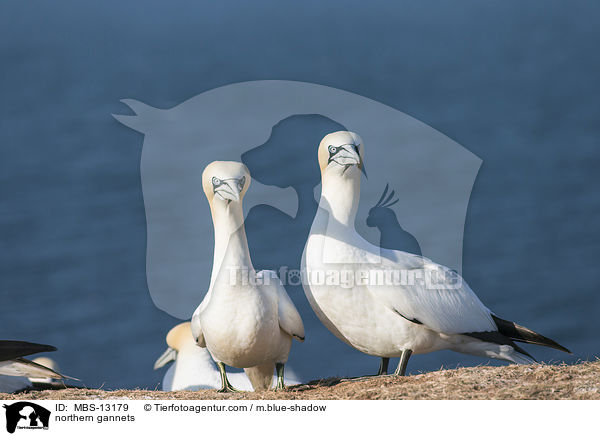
{"x": 280, "y": 385}
{"x": 225, "y": 385}
{"x": 383, "y": 366}
{"x": 401, "y": 370}
{"x": 383, "y": 370}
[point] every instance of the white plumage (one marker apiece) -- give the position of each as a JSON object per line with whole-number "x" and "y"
{"x": 246, "y": 319}
{"x": 383, "y": 312}
{"x": 193, "y": 368}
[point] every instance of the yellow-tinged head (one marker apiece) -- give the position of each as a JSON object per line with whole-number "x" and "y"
{"x": 340, "y": 152}
{"x": 225, "y": 181}
{"x": 179, "y": 335}
{"x": 47, "y": 362}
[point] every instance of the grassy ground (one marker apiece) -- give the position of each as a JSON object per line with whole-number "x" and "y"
{"x": 543, "y": 382}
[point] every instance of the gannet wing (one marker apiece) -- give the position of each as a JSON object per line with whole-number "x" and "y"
{"x": 13, "y": 349}
{"x": 197, "y": 328}
{"x": 289, "y": 318}
{"x": 434, "y": 296}
{"x": 25, "y": 368}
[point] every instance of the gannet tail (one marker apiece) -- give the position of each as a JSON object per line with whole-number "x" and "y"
{"x": 261, "y": 376}
{"x": 519, "y": 333}
{"x": 519, "y": 357}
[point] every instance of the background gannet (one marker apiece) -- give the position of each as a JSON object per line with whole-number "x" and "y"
{"x": 17, "y": 370}
{"x": 246, "y": 320}
{"x": 194, "y": 369}
{"x": 50, "y": 363}
{"x": 392, "y": 319}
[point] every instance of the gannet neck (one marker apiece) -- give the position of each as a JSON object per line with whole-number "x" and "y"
{"x": 340, "y": 194}
{"x": 230, "y": 237}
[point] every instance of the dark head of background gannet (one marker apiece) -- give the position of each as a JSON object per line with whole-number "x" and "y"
{"x": 246, "y": 319}
{"x": 392, "y": 318}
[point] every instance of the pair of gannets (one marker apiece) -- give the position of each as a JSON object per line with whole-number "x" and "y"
{"x": 248, "y": 324}
{"x": 246, "y": 320}
{"x": 385, "y": 317}
{"x": 193, "y": 368}
{"x": 17, "y": 373}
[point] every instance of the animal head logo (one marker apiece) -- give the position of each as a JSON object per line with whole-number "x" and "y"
{"x": 274, "y": 127}
{"x": 382, "y": 212}
{"x": 392, "y": 235}
{"x": 26, "y": 415}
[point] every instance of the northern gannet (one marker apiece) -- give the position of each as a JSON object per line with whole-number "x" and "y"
{"x": 17, "y": 370}
{"x": 382, "y": 312}
{"x": 193, "y": 369}
{"x": 46, "y": 381}
{"x": 246, "y": 319}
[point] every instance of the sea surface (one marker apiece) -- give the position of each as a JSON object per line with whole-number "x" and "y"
{"x": 516, "y": 83}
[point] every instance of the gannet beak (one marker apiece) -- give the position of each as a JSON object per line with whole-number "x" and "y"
{"x": 169, "y": 355}
{"x": 348, "y": 156}
{"x": 228, "y": 190}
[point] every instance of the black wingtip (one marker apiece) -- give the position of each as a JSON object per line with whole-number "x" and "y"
{"x": 13, "y": 349}
{"x": 522, "y": 334}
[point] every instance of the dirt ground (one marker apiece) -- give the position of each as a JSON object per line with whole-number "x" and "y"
{"x": 541, "y": 382}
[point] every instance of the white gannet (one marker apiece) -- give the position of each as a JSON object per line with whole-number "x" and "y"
{"x": 380, "y": 315}
{"x": 15, "y": 371}
{"x": 246, "y": 319}
{"x": 193, "y": 369}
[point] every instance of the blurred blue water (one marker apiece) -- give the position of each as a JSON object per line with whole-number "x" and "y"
{"x": 515, "y": 83}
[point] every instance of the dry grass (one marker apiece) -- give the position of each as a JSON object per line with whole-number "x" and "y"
{"x": 541, "y": 382}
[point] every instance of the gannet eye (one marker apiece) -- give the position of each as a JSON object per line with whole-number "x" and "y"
{"x": 332, "y": 149}
{"x": 241, "y": 182}
{"x": 216, "y": 181}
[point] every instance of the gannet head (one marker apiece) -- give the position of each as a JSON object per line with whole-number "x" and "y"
{"x": 341, "y": 152}
{"x": 176, "y": 338}
{"x": 225, "y": 181}
{"x": 47, "y": 362}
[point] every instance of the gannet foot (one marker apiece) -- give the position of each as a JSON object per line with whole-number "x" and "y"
{"x": 225, "y": 385}
{"x": 383, "y": 371}
{"x": 227, "y": 390}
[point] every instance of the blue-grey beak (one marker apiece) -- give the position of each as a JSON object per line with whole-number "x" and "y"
{"x": 228, "y": 190}
{"x": 169, "y": 355}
